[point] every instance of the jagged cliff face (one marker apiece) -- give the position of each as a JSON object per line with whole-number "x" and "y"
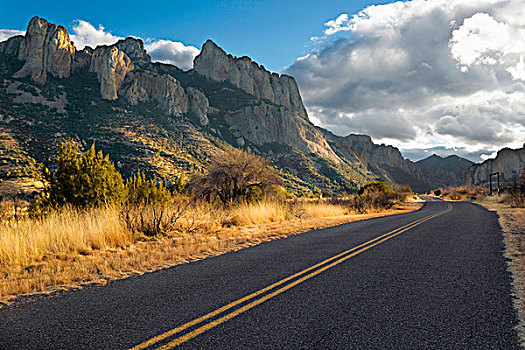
{"x": 282, "y": 121}
{"x": 199, "y": 105}
{"x": 134, "y": 49}
{"x": 265, "y": 124}
{"x": 509, "y": 163}
{"x": 445, "y": 172}
{"x": 213, "y": 63}
{"x": 389, "y": 158}
{"x": 46, "y": 48}
{"x": 113, "y": 63}
{"x": 382, "y": 154}
{"x": 385, "y": 161}
{"x": 11, "y": 46}
{"x": 111, "y": 66}
{"x": 165, "y": 90}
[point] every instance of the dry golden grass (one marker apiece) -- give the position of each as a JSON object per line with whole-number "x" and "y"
{"x": 258, "y": 213}
{"x": 65, "y": 232}
{"x": 462, "y": 193}
{"x": 512, "y": 221}
{"x": 323, "y": 210}
{"x": 70, "y": 249}
{"x": 269, "y": 212}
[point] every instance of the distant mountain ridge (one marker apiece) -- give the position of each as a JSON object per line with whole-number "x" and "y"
{"x": 445, "y": 172}
{"x": 386, "y": 161}
{"x": 165, "y": 121}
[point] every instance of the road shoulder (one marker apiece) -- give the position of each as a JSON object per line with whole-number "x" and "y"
{"x": 512, "y": 222}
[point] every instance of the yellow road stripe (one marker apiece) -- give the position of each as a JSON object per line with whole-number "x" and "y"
{"x": 261, "y": 291}
{"x": 212, "y": 324}
{"x": 261, "y": 300}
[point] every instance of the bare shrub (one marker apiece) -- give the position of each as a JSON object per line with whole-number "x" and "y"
{"x": 234, "y": 177}
{"x": 153, "y": 220}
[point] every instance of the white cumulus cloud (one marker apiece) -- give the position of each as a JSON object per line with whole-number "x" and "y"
{"x": 483, "y": 40}
{"x": 172, "y": 52}
{"x": 7, "y": 33}
{"x": 337, "y": 25}
{"x": 85, "y": 34}
{"x": 445, "y": 74}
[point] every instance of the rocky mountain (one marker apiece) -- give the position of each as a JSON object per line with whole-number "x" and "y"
{"x": 46, "y": 48}
{"x": 165, "y": 121}
{"x": 280, "y": 117}
{"x": 386, "y": 161}
{"x": 510, "y": 163}
{"x": 444, "y": 172}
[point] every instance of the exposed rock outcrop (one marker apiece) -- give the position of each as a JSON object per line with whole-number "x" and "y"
{"x": 508, "y": 162}
{"x": 383, "y": 154}
{"x": 385, "y": 161}
{"x": 82, "y": 59}
{"x": 11, "y": 46}
{"x": 213, "y": 63}
{"x": 266, "y": 124}
{"x": 134, "y": 49}
{"x": 46, "y": 49}
{"x": 226, "y": 99}
{"x": 111, "y": 66}
{"x": 199, "y": 105}
{"x": 165, "y": 90}
{"x": 444, "y": 172}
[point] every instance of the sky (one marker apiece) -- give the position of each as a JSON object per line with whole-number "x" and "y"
{"x": 427, "y": 76}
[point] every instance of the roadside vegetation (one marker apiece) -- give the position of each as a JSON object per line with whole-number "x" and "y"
{"x": 512, "y": 194}
{"x": 462, "y": 193}
{"x": 89, "y": 225}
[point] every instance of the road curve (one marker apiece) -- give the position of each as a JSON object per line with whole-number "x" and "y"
{"x": 435, "y": 278}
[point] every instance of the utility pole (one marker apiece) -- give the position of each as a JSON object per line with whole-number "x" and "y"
{"x": 490, "y": 181}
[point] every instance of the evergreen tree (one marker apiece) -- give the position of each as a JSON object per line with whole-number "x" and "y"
{"x": 81, "y": 179}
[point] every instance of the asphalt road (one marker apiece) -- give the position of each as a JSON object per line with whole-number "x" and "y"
{"x": 441, "y": 283}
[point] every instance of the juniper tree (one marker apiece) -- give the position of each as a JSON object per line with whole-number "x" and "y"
{"x": 82, "y": 179}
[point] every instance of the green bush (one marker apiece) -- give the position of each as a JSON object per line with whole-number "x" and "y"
{"x": 143, "y": 192}
{"x": 82, "y": 179}
{"x": 328, "y": 194}
{"x": 377, "y": 186}
{"x": 404, "y": 189}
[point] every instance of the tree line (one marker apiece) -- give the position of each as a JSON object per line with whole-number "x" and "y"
{"x": 87, "y": 178}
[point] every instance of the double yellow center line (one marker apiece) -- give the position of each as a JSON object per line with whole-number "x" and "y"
{"x": 304, "y": 275}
